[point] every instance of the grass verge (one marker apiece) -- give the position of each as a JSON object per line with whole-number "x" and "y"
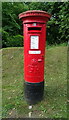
{"x": 55, "y": 93}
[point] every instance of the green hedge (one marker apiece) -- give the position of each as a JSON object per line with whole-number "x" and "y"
{"x": 11, "y": 41}
{"x": 15, "y": 41}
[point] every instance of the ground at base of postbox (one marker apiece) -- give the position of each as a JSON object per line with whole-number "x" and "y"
{"x": 55, "y": 92}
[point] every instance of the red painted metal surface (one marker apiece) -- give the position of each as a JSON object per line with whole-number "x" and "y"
{"x": 34, "y": 44}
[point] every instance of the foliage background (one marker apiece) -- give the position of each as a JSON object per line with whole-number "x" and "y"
{"x": 57, "y": 27}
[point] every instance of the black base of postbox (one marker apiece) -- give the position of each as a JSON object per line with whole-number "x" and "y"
{"x": 33, "y": 92}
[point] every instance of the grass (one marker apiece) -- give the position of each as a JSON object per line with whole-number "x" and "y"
{"x": 55, "y": 93}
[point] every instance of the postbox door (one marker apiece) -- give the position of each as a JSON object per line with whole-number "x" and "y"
{"x": 34, "y": 55}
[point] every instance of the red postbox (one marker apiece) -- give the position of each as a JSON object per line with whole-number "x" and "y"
{"x": 34, "y": 23}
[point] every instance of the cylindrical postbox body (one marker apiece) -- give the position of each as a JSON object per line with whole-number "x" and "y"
{"x": 34, "y": 23}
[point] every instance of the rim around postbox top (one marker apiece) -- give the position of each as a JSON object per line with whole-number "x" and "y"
{"x": 34, "y": 13}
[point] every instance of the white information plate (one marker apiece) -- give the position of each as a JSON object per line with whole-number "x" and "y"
{"x": 34, "y": 42}
{"x": 34, "y": 52}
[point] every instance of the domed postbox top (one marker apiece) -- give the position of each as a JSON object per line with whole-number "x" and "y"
{"x": 35, "y": 13}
